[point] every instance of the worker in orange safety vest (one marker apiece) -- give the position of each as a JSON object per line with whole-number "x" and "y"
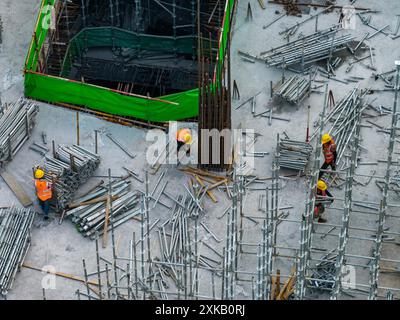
{"x": 184, "y": 137}
{"x": 330, "y": 154}
{"x": 44, "y": 192}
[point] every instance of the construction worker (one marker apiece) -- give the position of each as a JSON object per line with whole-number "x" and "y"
{"x": 322, "y": 194}
{"x": 329, "y": 151}
{"x": 341, "y": 17}
{"x": 184, "y": 137}
{"x": 44, "y": 192}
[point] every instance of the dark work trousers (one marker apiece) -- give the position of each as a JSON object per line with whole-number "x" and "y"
{"x": 45, "y": 205}
{"x": 325, "y": 166}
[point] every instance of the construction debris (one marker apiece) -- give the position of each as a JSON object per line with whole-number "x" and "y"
{"x": 15, "y": 230}
{"x": 290, "y": 7}
{"x": 16, "y": 123}
{"x": 323, "y": 276}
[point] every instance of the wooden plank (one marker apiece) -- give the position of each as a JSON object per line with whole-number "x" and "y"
{"x": 105, "y": 230}
{"x": 288, "y": 287}
{"x": 201, "y": 172}
{"x": 213, "y": 186}
{"x": 93, "y": 201}
{"x": 276, "y": 285}
{"x": 209, "y": 193}
{"x": 204, "y": 179}
{"x": 60, "y": 274}
{"x": 273, "y": 288}
{"x": 19, "y": 192}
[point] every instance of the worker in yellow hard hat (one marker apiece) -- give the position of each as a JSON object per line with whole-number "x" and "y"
{"x": 44, "y": 191}
{"x": 322, "y": 195}
{"x": 184, "y": 138}
{"x": 330, "y": 154}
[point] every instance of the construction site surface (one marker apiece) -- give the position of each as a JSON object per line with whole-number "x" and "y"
{"x": 186, "y": 232}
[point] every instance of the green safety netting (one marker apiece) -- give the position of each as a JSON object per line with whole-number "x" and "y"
{"x": 59, "y": 90}
{"x": 111, "y": 36}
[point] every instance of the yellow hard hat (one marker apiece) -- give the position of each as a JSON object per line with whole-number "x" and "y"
{"x": 326, "y": 138}
{"x": 39, "y": 173}
{"x": 188, "y": 138}
{"x": 321, "y": 185}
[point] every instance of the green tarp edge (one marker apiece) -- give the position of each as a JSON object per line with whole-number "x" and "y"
{"x": 39, "y": 35}
{"x": 58, "y": 90}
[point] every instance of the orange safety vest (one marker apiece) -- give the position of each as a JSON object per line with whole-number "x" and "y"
{"x": 43, "y": 189}
{"x": 328, "y": 149}
{"x": 180, "y": 134}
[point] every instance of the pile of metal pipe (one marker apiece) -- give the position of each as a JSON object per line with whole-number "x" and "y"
{"x": 293, "y": 154}
{"x": 315, "y": 47}
{"x": 345, "y": 117}
{"x": 89, "y": 212}
{"x": 294, "y": 89}
{"x": 16, "y": 123}
{"x": 70, "y": 167}
{"x": 15, "y": 225}
{"x": 323, "y": 275}
{"x": 183, "y": 253}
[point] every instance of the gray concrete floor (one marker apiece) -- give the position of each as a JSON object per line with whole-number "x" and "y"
{"x": 251, "y": 78}
{"x": 64, "y": 248}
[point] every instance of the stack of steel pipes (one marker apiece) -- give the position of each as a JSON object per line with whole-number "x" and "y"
{"x": 16, "y": 123}
{"x": 294, "y": 154}
{"x": 315, "y": 47}
{"x": 15, "y": 225}
{"x": 294, "y": 89}
{"x": 70, "y": 167}
{"x": 89, "y": 212}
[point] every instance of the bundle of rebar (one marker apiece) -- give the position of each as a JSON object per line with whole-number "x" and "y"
{"x": 16, "y": 123}
{"x": 294, "y": 154}
{"x": 15, "y": 225}
{"x": 315, "y": 47}
{"x": 90, "y": 212}
{"x": 294, "y": 89}
{"x": 70, "y": 167}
